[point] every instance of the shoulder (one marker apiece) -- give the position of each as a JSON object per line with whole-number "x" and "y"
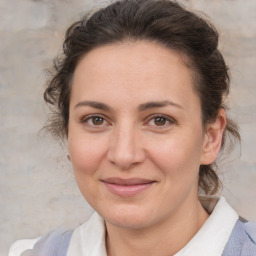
{"x": 250, "y": 230}
{"x": 245, "y": 231}
{"x": 57, "y": 240}
{"x": 242, "y": 240}
{"x": 53, "y": 243}
{"x": 18, "y": 247}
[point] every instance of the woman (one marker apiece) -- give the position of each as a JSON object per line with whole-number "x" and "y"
{"x": 139, "y": 94}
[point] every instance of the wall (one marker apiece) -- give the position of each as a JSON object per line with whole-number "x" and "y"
{"x": 37, "y": 188}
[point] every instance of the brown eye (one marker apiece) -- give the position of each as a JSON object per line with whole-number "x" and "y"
{"x": 159, "y": 121}
{"x": 97, "y": 120}
{"x": 94, "y": 121}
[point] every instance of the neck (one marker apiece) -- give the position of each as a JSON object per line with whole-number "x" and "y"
{"x": 164, "y": 239}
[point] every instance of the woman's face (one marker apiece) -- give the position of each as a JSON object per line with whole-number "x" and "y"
{"x": 135, "y": 138}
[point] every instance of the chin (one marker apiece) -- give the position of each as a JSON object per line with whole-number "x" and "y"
{"x": 128, "y": 222}
{"x": 127, "y": 217}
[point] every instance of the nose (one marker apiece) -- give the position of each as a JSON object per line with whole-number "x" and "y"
{"x": 125, "y": 149}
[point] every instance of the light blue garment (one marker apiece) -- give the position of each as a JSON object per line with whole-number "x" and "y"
{"x": 242, "y": 242}
{"x": 54, "y": 244}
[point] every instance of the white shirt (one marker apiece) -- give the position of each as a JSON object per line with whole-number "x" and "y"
{"x": 89, "y": 238}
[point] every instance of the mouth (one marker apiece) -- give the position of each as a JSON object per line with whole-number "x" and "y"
{"x": 127, "y": 187}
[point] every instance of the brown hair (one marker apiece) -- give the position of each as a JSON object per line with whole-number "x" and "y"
{"x": 161, "y": 21}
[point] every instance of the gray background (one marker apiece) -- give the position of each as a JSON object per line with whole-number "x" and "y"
{"x": 37, "y": 188}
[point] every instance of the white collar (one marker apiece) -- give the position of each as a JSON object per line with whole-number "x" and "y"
{"x": 89, "y": 238}
{"x": 210, "y": 240}
{"x": 212, "y": 237}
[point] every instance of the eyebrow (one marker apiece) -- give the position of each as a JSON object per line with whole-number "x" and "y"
{"x": 141, "y": 107}
{"x": 93, "y": 104}
{"x": 157, "y": 104}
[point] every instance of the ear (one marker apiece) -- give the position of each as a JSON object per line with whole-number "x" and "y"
{"x": 213, "y": 138}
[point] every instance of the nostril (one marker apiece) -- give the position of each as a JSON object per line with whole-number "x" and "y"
{"x": 125, "y": 150}
{"x": 124, "y": 159}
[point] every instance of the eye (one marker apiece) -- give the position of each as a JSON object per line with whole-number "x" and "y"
{"x": 160, "y": 121}
{"x": 95, "y": 120}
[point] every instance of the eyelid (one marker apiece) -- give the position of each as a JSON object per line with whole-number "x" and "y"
{"x": 84, "y": 119}
{"x": 168, "y": 118}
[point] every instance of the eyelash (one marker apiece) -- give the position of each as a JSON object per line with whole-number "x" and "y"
{"x": 166, "y": 118}
{"x": 87, "y": 118}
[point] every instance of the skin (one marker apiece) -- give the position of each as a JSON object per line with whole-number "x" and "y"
{"x": 126, "y": 140}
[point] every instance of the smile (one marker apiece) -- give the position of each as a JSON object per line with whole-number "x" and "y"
{"x": 127, "y": 187}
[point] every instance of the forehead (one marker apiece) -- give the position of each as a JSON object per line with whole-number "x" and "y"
{"x": 133, "y": 69}
{"x": 131, "y": 57}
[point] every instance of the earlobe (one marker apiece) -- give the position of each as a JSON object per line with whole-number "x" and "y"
{"x": 213, "y": 139}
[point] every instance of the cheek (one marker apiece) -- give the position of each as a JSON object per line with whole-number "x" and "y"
{"x": 85, "y": 154}
{"x": 178, "y": 157}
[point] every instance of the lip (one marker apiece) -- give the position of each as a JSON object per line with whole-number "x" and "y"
{"x": 127, "y": 187}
